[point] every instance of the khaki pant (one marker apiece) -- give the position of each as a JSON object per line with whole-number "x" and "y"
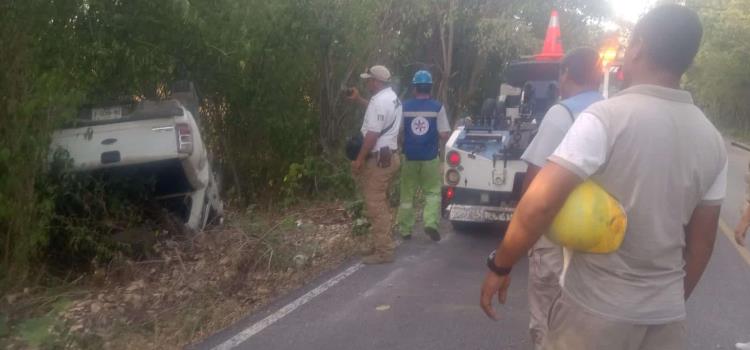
{"x": 545, "y": 267}
{"x": 374, "y": 183}
{"x": 573, "y": 327}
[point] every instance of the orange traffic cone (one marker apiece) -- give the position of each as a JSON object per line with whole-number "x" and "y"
{"x": 553, "y": 48}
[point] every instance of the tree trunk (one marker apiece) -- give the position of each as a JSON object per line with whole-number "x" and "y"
{"x": 446, "y": 39}
{"x": 468, "y": 92}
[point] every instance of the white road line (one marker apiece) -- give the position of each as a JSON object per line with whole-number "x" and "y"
{"x": 246, "y": 334}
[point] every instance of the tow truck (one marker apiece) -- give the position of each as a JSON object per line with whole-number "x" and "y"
{"x": 483, "y": 173}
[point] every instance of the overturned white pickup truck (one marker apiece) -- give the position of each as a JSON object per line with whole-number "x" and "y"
{"x": 150, "y": 138}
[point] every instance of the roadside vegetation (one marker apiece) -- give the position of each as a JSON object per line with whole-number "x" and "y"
{"x": 720, "y": 78}
{"x": 270, "y": 75}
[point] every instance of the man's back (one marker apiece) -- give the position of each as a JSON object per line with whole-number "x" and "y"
{"x": 424, "y": 120}
{"x": 383, "y": 113}
{"x": 662, "y": 158}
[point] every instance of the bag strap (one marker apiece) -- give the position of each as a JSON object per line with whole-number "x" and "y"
{"x": 387, "y": 129}
{"x": 572, "y": 117}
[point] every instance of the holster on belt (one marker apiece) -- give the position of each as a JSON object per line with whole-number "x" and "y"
{"x": 384, "y": 157}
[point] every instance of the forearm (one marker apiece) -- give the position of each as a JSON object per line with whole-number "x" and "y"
{"x": 745, "y": 219}
{"x": 700, "y": 237}
{"x": 697, "y": 256}
{"x": 523, "y": 232}
{"x": 371, "y": 138}
{"x": 362, "y": 101}
{"x": 535, "y": 212}
{"x": 531, "y": 171}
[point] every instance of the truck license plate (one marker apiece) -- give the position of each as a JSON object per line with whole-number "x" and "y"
{"x": 466, "y": 213}
{"x": 496, "y": 215}
{"x": 106, "y": 114}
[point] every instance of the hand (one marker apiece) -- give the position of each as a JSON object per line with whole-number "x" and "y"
{"x": 357, "y": 166}
{"x": 494, "y": 284}
{"x": 739, "y": 234}
{"x": 353, "y": 94}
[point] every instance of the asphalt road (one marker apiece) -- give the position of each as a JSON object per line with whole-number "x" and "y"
{"x": 428, "y": 299}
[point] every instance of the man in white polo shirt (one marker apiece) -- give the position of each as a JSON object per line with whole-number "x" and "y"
{"x": 377, "y": 165}
{"x": 653, "y": 150}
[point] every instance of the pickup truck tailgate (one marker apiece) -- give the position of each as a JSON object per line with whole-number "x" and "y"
{"x": 119, "y": 144}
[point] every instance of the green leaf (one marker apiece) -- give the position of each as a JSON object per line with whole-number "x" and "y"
{"x": 37, "y": 331}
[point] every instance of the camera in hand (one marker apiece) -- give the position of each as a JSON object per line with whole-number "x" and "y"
{"x": 348, "y": 91}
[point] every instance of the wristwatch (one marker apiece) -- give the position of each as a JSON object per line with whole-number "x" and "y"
{"x": 500, "y": 271}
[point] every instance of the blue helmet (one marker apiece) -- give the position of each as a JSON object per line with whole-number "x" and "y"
{"x": 422, "y": 77}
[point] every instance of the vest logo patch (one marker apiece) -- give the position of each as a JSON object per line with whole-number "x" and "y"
{"x": 420, "y": 126}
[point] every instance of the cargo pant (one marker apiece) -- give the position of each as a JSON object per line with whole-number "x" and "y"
{"x": 416, "y": 174}
{"x": 545, "y": 267}
{"x": 571, "y": 326}
{"x": 374, "y": 183}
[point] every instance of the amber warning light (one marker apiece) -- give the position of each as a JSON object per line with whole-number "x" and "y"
{"x": 607, "y": 56}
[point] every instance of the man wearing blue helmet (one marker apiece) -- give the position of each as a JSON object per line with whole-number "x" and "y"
{"x": 425, "y": 128}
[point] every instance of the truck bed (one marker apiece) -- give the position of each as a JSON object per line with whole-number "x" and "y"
{"x": 119, "y": 144}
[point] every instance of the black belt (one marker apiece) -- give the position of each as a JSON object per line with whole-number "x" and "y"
{"x": 375, "y": 154}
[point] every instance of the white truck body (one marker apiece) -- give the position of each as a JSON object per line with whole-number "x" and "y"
{"x": 489, "y": 170}
{"x": 158, "y": 137}
{"x": 484, "y": 192}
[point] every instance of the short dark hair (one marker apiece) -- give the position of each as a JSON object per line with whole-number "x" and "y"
{"x": 671, "y": 35}
{"x": 423, "y": 88}
{"x": 582, "y": 65}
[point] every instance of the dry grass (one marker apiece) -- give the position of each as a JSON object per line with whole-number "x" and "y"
{"x": 201, "y": 284}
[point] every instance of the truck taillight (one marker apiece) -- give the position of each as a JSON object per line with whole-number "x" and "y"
{"x": 454, "y": 159}
{"x": 450, "y": 192}
{"x": 184, "y": 138}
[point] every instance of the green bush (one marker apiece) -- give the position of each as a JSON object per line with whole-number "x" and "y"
{"x": 317, "y": 176}
{"x": 91, "y": 217}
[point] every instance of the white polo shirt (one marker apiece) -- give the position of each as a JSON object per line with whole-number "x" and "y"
{"x": 383, "y": 110}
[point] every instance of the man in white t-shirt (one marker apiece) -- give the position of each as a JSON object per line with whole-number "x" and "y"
{"x": 580, "y": 76}
{"x": 377, "y": 164}
{"x": 654, "y": 151}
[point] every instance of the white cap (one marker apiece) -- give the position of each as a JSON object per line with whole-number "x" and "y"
{"x": 377, "y": 72}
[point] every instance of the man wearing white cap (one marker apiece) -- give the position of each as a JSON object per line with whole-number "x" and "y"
{"x": 376, "y": 165}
